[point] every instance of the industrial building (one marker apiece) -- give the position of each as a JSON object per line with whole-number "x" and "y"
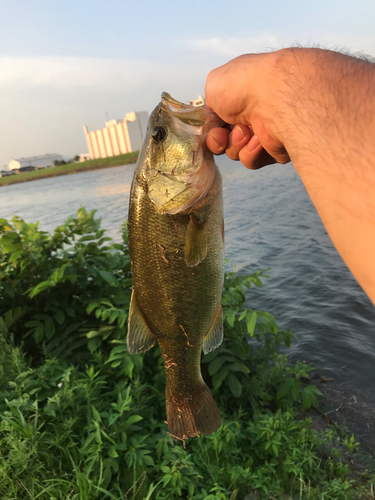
{"x": 198, "y": 102}
{"x": 118, "y": 136}
{"x": 42, "y": 161}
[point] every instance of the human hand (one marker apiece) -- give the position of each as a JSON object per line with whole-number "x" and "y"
{"x": 239, "y": 143}
{"x": 243, "y": 94}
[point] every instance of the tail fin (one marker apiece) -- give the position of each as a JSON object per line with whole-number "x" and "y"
{"x": 197, "y": 414}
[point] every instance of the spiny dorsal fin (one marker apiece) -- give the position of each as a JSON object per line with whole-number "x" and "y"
{"x": 215, "y": 334}
{"x": 195, "y": 242}
{"x": 140, "y": 337}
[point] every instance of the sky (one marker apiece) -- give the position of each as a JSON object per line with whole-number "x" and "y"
{"x": 65, "y": 64}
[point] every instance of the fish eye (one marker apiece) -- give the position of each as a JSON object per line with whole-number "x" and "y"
{"x": 158, "y": 134}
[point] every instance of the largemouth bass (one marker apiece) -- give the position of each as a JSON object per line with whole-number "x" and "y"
{"x": 176, "y": 244}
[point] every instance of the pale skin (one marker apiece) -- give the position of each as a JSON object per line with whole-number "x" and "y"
{"x": 315, "y": 108}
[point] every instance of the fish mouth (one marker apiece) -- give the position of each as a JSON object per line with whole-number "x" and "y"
{"x": 198, "y": 116}
{"x": 171, "y": 100}
{"x": 191, "y": 115}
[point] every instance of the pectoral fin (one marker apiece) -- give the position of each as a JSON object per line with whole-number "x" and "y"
{"x": 140, "y": 337}
{"x": 195, "y": 242}
{"x": 215, "y": 334}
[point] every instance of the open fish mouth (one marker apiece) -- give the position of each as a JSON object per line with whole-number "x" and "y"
{"x": 195, "y": 116}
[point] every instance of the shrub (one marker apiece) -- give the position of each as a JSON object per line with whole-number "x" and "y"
{"x": 81, "y": 418}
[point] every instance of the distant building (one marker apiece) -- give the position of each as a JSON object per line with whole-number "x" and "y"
{"x": 197, "y": 102}
{"x": 118, "y": 136}
{"x": 84, "y": 157}
{"x": 42, "y": 161}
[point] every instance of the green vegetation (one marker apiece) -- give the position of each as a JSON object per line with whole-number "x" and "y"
{"x": 82, "y": 419}
{"x": 70, "y": 168}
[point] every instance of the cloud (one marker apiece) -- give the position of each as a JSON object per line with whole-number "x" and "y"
{"x": 232, "y": 47}
{"x": 78, "y": 72}
{"x": 356, "y": 45}
{"x": 71, "y": 72}
{"x": 44, "y": 101}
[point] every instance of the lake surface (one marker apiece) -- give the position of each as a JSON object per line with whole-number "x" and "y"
{"x": 269, "y": 222}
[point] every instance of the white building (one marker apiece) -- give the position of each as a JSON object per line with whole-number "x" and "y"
{"x": 84, "y": 157}
{"x": 118, "y": 136}
{"x": 42, "y": 161}
{"x": 197, "y": 102}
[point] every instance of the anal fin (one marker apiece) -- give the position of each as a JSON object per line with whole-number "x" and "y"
{"x": 195, "y": 242}
{"x": 214, "y": 336}
{"x": 140, "y": 337}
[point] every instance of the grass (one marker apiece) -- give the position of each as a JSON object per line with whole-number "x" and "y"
{"x": 70, "y": 168}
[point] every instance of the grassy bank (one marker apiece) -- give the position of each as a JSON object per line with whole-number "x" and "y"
{"x": 82, "y": 419}
{"x": 71, "y": 168}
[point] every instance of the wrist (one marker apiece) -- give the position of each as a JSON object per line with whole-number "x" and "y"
{"x": 285, "y": 76}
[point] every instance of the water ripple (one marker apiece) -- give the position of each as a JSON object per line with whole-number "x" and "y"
{"x": 269, "y": 222}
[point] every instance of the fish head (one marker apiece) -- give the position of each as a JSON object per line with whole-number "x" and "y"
{"x": 178, "y": 168}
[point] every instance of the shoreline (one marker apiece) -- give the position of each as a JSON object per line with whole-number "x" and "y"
{"x": 70, "y": 168}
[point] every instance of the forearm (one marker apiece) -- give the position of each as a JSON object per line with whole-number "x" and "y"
{"x": 316, "y": 108}
{"x": 325, "y": 106}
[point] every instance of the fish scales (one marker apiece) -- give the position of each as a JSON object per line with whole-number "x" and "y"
{"x": 176, "y": 300}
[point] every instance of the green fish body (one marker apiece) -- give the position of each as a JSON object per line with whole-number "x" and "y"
{"x": 176, "y": 244}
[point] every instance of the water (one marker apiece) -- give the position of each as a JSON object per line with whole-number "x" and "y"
{"x": 270, "y": 222}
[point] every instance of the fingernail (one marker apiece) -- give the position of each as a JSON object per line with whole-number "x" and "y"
{"x": 237, "y": 137}
{"x": 220, "y": 148}
{"x": 253, "y": 143}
